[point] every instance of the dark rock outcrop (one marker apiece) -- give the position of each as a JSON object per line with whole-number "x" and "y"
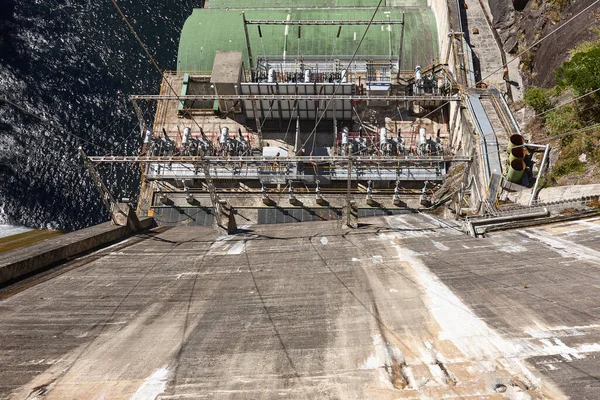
{"x": 505, "y": 17}
{"x": 520, "y": 23}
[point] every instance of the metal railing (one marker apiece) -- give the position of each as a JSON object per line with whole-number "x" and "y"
{"x": 539, "y": 205}
{"x": 293, "y": 97}
{"x": 407, "y": 160}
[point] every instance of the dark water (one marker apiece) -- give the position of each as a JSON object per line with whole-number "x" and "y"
{"x": 73, "y": 64}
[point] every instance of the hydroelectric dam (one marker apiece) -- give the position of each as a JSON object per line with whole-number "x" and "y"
{"x": 336, "y": 201}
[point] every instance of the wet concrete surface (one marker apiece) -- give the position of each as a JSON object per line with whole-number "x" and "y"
{"x": 403, "y": 307}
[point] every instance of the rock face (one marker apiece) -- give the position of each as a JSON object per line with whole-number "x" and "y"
{"x": 504, "y": 17}
{"x": 554, "y": 51}
{"x": 522, "y": 22}
{"x": 520, "y": 5}
{"x": 502, "y": 13}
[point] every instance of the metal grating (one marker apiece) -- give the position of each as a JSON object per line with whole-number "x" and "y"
{"x": 379, "y": 212}
{"x": 192, "y": 216}
{"x": 290, "y": 215}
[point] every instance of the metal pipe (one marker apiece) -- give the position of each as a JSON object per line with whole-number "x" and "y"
{"x": 537, "y": 180}
{"x": 516, "y": 140}
{"x": 493, "y": 220}
{"x": 516, "y": 170}
{"x": 510, "y": 114}
{"x": 489, "y": 221}
{"x": 517, "y": 153}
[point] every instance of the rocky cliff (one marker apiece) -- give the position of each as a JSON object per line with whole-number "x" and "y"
{"x": 521, "y": 23}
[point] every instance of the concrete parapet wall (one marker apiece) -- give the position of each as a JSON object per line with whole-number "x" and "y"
{"x": 26, "y": 260}
{"x": 557, "y": 194}
{"x": 446, "y": 21}
{"x": 440, "y": 9}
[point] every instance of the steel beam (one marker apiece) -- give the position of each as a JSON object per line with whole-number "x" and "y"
{"x": 293, "y": 97}
{"x": 270, "y": 160}
{"x": 249, "y": 47}
{"x": 323, "y": 22}
{"x": 111, "y": 204}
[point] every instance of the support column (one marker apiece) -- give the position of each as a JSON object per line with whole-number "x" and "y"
{"x": 297, "y": 138}
{"x": 220, "y": 207}
{"x": 258, "y": 128}
{"x": 401, "y": 46}
{"x": 335, "y": 132}
{"x": 117, "y": 215}
{"x": 351, "y": 213}
{"x": 534, "y": 192}
{"x": 140, "y": 116}
{"x": 250, "y": 58}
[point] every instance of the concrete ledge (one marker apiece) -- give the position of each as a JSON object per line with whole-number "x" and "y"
{"x": 558, "y": 193}
{"x": 26, "y": 260}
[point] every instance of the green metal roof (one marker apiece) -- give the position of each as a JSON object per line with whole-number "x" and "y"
{"x": 209, "y": 30}
{"x": 248, "y": 4}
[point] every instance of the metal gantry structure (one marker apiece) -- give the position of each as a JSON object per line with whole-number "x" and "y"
{"x": 111, "y": 204}
{"x": 408, "y": 160}
{"x": 181, "y": 161}
{"x": 296, "y": 97}
{"x": 308, "y": 22}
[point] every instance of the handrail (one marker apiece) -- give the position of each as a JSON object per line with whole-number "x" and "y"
{"x": 262, "y": 159}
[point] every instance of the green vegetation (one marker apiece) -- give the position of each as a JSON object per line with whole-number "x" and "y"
{"x": 565, "y": 166}
{"x": 559, "y": 5}
{"x": 561, "y": 120}
{"x": 582, "y": 72}
{"x": 538, "y": 99}
{"x": 584, "y": 47}
{"x": 579, "y": 160}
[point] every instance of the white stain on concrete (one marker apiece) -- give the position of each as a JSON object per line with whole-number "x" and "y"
{"x": 377, "y": 259}
{"x": 512, "y": 249}
{"x": 382, "y": 359}
{"x": 591, "y": 224}
{"x": 589, "y": 348}
{"x": 406, "y": 229}
{"x": 224, "y": 238}
{"x": 542, "y": 332}
{"x": 458, "y": 324}
{"x": 382, "y": 356}
{"x": 153, "y": 385}
{"x": 557, "y": 347}
{"x": 237, "y": 248}
{"x": 548, "y": 341}
{"x": 564, "y": 247}
{"x": 440, "y": 246}
{"x": 324, "y": 240}
{"x": 477, "y": 341}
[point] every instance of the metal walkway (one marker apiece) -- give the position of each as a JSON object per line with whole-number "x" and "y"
{"x": 494, "y": 123}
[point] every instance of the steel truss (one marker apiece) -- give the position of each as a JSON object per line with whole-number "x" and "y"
{"x": 271, "y": 160}
{"x": 299, "y": 97}
{"x": 323, "y": 22}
